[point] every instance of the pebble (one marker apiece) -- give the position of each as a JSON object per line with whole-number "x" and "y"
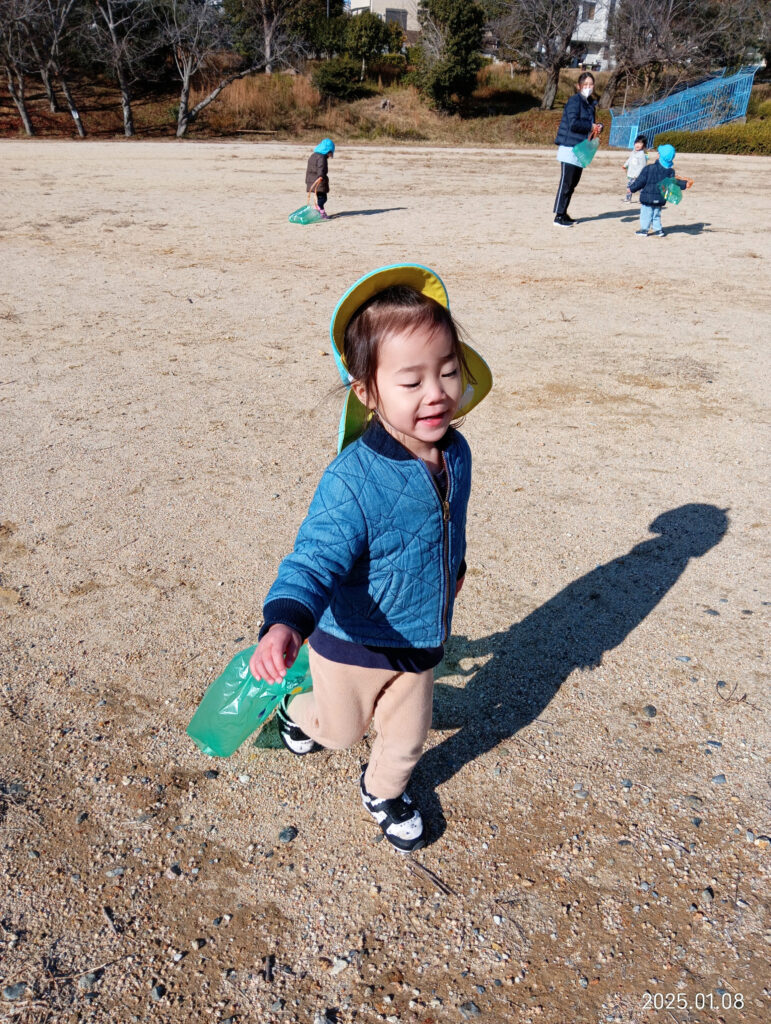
{"x": 683, "y": 657}
{"x": 115, "y": 872}
{"x": 86, "y": 981}
{"x": 81, "y": 817}
{"x": 750, "y": 836}
{"x": 286, "y": 835}
{"x": 719, "y": 780}
{"x": 707, "y": 896}
{"x": 469, "y": 1009}
{"x": 650, "y": 710}
{"x": 12, "y": 992}
{"x": 244, "y": 778}
{"x": 198, "y": 943}
{"x": 583, "y": 982}
{"x": 211, "y": 773}
{"x": 157, "y": 992}
{"x": 278, "y": 1005}
{"x": 627, "y": 783}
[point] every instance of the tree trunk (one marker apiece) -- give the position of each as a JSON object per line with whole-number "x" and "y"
{"x": 267, "y": 35}
{"x": 125, "y": 102}
{"x": 183, "y": 115}
{"x": 193, "y": 114}
{"x": 17, "y": 95}
{"x": 71, "y": 104}
{"x": 550, "y": 92}
{"x": 48, "y": 85}
{"x": 611, "y": 88}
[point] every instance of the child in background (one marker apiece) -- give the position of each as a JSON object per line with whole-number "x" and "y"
{"x": 316, "y": 173}
{"x": 648, "y": 183}
{"x": 634, "y": 163}
{"x": 380, "y": 558}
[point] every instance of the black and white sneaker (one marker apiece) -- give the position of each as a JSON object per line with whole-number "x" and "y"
{"x": 291, "y": 734}
{"x": 398, "y": 818}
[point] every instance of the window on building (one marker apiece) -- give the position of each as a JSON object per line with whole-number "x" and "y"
{"x": 399, "y": 16}
{"x": 587, "y": 11}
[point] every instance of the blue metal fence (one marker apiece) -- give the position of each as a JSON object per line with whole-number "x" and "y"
{"x": 719, "y": 99}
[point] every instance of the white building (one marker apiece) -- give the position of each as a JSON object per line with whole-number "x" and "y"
{"x": 403, "y": 12}
{"x": 590, "y": 42}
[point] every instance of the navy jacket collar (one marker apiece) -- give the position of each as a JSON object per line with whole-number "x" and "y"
{"x": 378, "y": 440}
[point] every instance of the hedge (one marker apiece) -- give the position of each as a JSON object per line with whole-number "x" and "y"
{"x": 753, "y": 138}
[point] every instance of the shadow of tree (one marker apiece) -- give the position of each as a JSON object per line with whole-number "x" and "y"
{"x": 572, "y": 630}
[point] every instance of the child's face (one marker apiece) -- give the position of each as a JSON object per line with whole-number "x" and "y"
{"x": 419, "y": 387}
{"x": 638, "y": 146}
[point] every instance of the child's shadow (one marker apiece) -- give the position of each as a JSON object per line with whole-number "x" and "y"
{"x": 364, "y": 213}
{"x": 697, "y": 228}
{"x": 573, "y": 629}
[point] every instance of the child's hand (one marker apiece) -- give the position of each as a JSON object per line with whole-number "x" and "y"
{"x": 275, "y": 653}
{"x": 689, "y": 182}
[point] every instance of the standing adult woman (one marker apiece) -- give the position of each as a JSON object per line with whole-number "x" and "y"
{"x": 578, "y": 123}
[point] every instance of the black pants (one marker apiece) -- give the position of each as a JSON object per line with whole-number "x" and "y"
{"x": 570, "y": 177}
{"x": 321, "y": 198}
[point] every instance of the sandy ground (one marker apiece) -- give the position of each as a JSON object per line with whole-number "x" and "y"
{"x": 597, "y": 782}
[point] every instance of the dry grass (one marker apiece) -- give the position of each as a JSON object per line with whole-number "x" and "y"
{"x": 270, "y": 103}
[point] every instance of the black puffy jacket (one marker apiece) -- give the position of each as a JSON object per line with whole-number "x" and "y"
{"x": 577, "y": 121}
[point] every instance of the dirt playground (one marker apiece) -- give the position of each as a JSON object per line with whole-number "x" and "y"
{"x": 596, "y": 783}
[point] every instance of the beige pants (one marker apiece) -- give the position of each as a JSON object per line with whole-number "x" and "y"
{"x": 346, "y": 698}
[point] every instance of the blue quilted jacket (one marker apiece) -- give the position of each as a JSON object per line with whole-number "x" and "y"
{"x": 378, "y": 555}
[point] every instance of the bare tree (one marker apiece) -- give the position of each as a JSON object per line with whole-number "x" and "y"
{"x": 195, "y": 31}
{"x": 16, "y": 57}
{"x": 540, "y": 32}
{"x": 659, "y": 44}
{"x": 47, "y": 31}
{"x": 123, "y": 37}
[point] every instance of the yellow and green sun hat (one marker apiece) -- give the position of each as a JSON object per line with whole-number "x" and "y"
{"x": 355, "y": 415}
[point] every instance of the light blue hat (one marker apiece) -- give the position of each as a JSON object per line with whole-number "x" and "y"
{"x": 666, "y": 155}
{"x": 326, "y": 147}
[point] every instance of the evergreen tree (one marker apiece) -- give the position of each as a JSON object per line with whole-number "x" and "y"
{"x": 450, "y": 55}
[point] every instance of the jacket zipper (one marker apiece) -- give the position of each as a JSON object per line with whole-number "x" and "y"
{"x": 445, "y": 505}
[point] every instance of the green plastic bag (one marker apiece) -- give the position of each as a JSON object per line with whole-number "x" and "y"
{"x": 671, "y": 190}
{"x": 584, "y": 151}
{"x": 236, "y": 703}
{"x": 305, "y": 215}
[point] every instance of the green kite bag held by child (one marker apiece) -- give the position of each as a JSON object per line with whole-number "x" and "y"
{"x": 311, "y": 212}
{"x": 671, "y": 191}
{"x": 308, "y": 214}
{"x": 236, "y": 703}
{"x": 584, "y": 151}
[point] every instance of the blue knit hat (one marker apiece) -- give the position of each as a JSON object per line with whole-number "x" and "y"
{"x": 666, "y": 155}
{"x": 326, "y": 147}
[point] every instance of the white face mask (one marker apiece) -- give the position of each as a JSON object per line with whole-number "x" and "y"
{"x": 587, "y": 91}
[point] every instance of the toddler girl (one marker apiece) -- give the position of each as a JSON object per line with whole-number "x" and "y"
{"x": 379, "y": 559}
{"x": 634, "y": 164}
{"x": 317, "y": 175}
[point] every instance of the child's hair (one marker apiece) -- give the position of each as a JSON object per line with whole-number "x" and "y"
{"x": 395, "y": 309}
{"x": 584, "y": 76}
{"x": 643, "y": 139}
